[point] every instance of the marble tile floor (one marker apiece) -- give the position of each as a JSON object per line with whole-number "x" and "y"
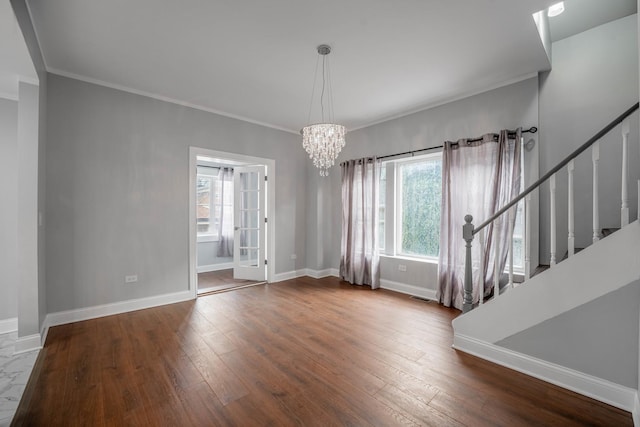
{"x": 14, "y": 374}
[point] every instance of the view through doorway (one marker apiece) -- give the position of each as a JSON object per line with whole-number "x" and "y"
{"x": 230, "y": 203}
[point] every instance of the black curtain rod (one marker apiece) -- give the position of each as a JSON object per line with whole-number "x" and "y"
{"x": 532, "y": 129}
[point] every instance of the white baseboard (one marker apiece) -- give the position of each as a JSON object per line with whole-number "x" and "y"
{"x": 69, "y": 316}
{"x": 319, "y": 274}
{"x": 214, "y": 267}
{"x": 636, "y": 410}
{"x": 596, "y": 388}
{"x": 288, "y": 275}
{"x": 316, "y": 274}
{"x": 28, "y": 343}
{"x": 412, "y": 290}
{"x": 8, "y": 325}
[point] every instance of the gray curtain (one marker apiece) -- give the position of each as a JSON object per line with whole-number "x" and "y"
{"x": 359, "y": 253}
{"x": 478, "y": 178}
{"x": 225, "y": 206}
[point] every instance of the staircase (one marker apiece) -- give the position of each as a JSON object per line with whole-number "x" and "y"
{"x": 506, "y": 329}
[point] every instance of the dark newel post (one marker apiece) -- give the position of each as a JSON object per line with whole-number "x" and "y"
{"x": 467, "y": 234}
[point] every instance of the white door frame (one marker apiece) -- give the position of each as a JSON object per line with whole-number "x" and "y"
{"x": 270, "y": 164}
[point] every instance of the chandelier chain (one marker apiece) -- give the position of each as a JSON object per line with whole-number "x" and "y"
{"x": 322, "y": 94}
{"x": 313, "y": 89}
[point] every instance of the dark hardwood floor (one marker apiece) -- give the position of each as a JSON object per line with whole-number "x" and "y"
{"x": 302, "y": 352}
{"x": 221, "y": 280}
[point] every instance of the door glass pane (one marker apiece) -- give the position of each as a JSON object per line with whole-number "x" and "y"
{"x": 248, "y": 258}
{"x": 249, "y": 238}
{"x": 249, "y": 218}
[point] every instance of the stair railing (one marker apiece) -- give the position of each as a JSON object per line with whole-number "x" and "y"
{"x": 469, "y": 230}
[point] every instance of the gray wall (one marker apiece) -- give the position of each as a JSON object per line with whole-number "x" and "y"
{"x": 8, "y": 209}
{"x": 593, "y": 80}
{"x": 506, "y": 107}
{"x": 207, "y": 255}
{"x": 117, "y": 191}
{"x": 599, "y": 338}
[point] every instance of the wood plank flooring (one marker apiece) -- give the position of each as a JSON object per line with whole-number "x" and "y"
{"x": 304, "y": 352}
{"x": 221, "y": 280}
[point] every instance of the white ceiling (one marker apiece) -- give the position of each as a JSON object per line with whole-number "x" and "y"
{"x": 581, "y": 15}
{"x": 255, "y": 59}
{"x": 15, "y": 62}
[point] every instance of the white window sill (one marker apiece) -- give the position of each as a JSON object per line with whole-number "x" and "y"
{"x": 407, "y": 258}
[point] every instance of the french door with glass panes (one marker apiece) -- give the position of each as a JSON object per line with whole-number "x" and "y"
{"x": 249, "y": 223}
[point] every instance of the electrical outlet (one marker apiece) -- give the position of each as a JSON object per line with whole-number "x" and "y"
{"x": 294, "y": 256}
{"x": 131, "y": 279}
{"x": 402, "y": 267}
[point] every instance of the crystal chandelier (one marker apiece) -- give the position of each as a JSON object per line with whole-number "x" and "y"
{"x": 323, "y": 141}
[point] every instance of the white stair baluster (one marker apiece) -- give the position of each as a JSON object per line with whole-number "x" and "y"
{"x": 571, "y": 239}
{"x": 527, "y": 235}
{"x": 512, "y": 213}
{"x": 552, "y": 190}
{"x": 595, "y": 157}
{"x": 496, "y": 263}
{"x": 481, "y": 266}
{"x": 624, "y": 210}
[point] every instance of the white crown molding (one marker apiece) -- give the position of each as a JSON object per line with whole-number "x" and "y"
{"x": 35, "y": 32}
{"x": 28, "y": 80}
{"x": 596, "y": 388}
{"x": 447, "y": 100}
{"x": 8, "y": 325}
{"x": 9, "y": 96}
{"x": 165, "y": 99}
{"x": 412, "y": 290}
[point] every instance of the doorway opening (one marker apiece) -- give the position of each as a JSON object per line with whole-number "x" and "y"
{"x": 230, "y": 204}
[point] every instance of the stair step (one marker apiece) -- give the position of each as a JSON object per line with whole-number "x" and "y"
{"x": 575, "y": 251}
{"x": 608, "y": 231}
{"x": 539, "y": 269}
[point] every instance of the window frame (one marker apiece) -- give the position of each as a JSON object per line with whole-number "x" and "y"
{"x": 393, "y": 208}
{"x": 211, "y": 174}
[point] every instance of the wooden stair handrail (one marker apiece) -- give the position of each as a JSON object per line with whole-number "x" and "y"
{"x": 605, "y": 130}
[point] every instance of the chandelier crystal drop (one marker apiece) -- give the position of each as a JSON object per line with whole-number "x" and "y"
{"x": 323, "y": 141}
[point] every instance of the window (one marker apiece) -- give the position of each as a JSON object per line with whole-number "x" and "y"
{"x": 381, "y": 207}
{"x": 410, "y": 207}
{"x": 208, "y": 191}
{"x": 410, "y": 197}
{"x": 419, "y": 189}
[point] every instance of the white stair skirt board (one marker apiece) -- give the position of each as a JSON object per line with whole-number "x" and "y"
{"x": 602, "y": 390}
{"x": 412, "y": 290}
{"x": 636, "y": 410}
{"x": 8, "y": 325}
{"x": 542, "y": 297}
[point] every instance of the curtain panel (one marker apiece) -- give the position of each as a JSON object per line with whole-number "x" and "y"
{"x": 359, "y": 253}
{"x": 478, "y": 178}
{"x": 225, "y": 226}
